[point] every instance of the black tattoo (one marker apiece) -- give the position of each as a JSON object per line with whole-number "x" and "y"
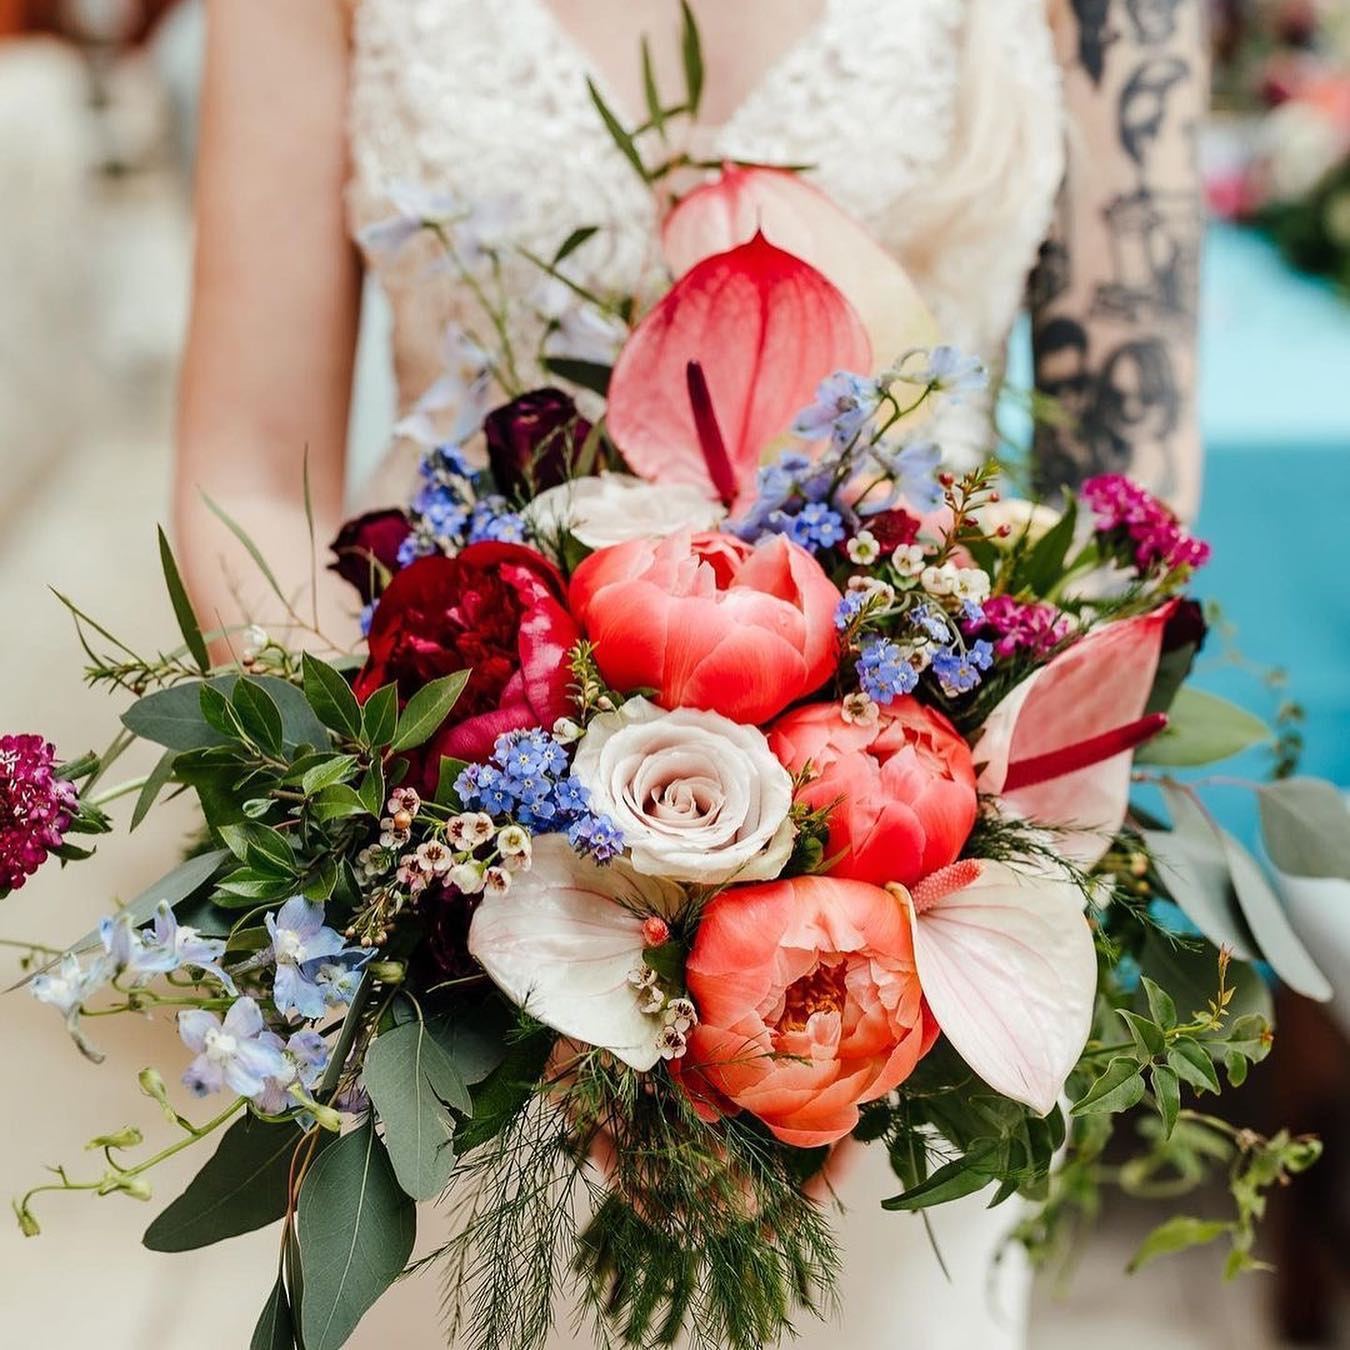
{"x": 1094, "y": 35}
{"x": 1143, "y": 103}
{"x": 1155, "y": 257}
{"x": 1052, "y": 275}
{"x": 1154, "y": 21}
{"x": 1131, "y": 400}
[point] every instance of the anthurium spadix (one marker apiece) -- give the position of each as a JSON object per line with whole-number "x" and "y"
{"x": 564, "y": 941}
{"x": 745, "y": 199}
{"x": 1058, "y": 749}
{"x": 1007, "y": 963}
{"x": 725, "y": 361}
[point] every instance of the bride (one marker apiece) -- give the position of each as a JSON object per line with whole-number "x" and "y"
{"x": 986, "y": 143}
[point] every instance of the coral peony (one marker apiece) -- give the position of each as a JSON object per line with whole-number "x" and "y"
{"x": 808, "y": 1005}
{"x": 903, "y": 787}
{"x": 709, "y": 622}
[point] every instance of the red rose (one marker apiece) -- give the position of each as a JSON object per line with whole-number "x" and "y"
{"x": 366, "y": 551}
{"x": 533, "y": 441}
{"x": 495, "y": 610}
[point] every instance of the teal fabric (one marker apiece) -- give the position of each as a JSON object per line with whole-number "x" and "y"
{"x": 1275, "y": 415}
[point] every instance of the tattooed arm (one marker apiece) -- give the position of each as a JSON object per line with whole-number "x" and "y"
{"x": 1114, "y": 295}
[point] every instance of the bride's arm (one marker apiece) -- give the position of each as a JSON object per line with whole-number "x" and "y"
{"x": 269, "y": 357}
{"x": 1114, "y": 297}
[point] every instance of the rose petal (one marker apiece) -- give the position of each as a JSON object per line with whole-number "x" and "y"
{"x": 1008, "y": 966}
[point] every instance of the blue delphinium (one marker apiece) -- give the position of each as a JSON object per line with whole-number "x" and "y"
{"x": 239, "y": 1052}
{"x": 913, "y": 469}
{"x": 944, "y": 367}
{"x": 883, "y": 671}
{"x": 527, "y": 780}
{"x": 299, "y": 939}
{"x": 844, "y": 403}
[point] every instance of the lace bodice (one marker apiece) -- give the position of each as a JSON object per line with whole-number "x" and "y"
{"x": 935, "y": 122}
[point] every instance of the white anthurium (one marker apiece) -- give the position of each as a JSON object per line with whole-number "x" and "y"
{"x": 563, "y": 941}
{"x": 611, "y": 508}
{"x": 1009, "y": 969}
{"x": 697, "y": 796}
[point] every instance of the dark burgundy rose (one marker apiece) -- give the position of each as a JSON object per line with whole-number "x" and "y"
{"x": 366, "y": 550}
{"x": 891, "y": 529}
{"x": 533, "y": 441}
{"x": 495, "y": 610}
{"x": 444, "y": 951}
{"x": 1185, "y": 628}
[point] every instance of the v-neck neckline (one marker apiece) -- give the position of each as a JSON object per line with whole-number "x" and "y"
{"x": 589, "y": 69}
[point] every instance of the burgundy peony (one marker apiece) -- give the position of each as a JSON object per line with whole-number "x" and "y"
{"x": 35, "y": 808}
{"x": 495, "y": 610}
{"x": 366, "y": 551}
{"x": 533, "y": 441}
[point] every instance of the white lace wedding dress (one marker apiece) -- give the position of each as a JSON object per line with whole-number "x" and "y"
{"x": 938, "y": 123}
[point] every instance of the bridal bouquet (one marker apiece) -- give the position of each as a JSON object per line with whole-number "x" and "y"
{"x": 721, "y": 784}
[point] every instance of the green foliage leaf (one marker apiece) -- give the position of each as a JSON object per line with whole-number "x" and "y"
{"x": 356, "y": 1233}
{"x": 173, "y": 717}
{"x": 379, "y": 718}
{"x": 242, "y": 1187}
{"x": 620, "y": 137}
{"x": 1167, "y": 1093}
{"x": 331, "y": 697}
{"x": 499, "y": 1098}
{"x": 1305, "y": 826}
{"x": 413, "y": 1082}
{"x": 655, "y": 113}
{"x": 1147, "y": 1036}
{"x": 1203, "y": 728}
{"x": 274, "y": 1330}
{"x": 1120, "y": 1087}
{"x": 338, "y": 801}
{"x": 450, "y": 770}
{"x": 1192, "y": 1064}
{"x": 962, "y": 1176}
{"x": 155, "y": 783}
{"x": 326, "y": 772}
{"x": 219, "y": 713}
{"x": 592, "y": 375}
{"x": 691, "y": 51}
{"x": 1160, "y": 1004}
{"x": 427, "y": 709}
{"x": 1177, "y": 1235}
{"x": 574, "y": 241}
{"x": 1191, "y": 976}
{"x": 182, "y": 606}
{"x": 1044, "y": 564}
{"x": 257, "y": 714}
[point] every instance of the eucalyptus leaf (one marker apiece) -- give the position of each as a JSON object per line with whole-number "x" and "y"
{"x": 1305, "y": 826}
{"x": 413, "y": 1082}
{"x": 173, "y": 717}
{"x": 242, "y": 1187}
{"x": 356, "y": 1233}
{"x": 274, "y": 1330}
{"x": 427, "y": 709}
{"x": 155, "y": 783}
{"x": 1203, "y": 728}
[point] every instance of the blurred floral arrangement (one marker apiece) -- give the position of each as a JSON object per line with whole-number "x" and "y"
{"x": 719, "y": 779}
{"x": 1284, "y": 69}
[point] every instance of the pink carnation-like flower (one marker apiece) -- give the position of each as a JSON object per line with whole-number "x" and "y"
{"x": 1021, "y": 626}
{"x": 35, "y": 807}
{"x": 1159, "y": 539}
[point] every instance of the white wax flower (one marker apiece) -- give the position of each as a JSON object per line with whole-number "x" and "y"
{"x": 696, "y": 796}
{"x": 615, "y": 507}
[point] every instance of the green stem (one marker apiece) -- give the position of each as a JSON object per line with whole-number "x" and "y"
{"x": 124, "y": 789}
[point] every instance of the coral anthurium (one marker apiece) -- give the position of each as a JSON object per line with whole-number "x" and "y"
{"x": 765, "y": 328}
{"x": 1058, "y": 748}
{"x": 798, "y": 217}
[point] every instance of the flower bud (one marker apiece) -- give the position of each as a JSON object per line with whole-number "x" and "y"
{"x": 326, "y": 1117}
{"x": 388, "y": 972}
{"x": 128, "y": 1137}
{"x": 28, "y": 1225}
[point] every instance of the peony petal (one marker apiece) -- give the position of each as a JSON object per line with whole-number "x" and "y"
{"x": 1099, "y": 685}
{"x": 801, "y": 219}
{"x": 1009, "y": 969}
{"x": 765, "y": 328}
{"x": 562, "y": 942}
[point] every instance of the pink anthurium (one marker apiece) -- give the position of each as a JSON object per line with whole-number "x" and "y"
{"x": 1008, "y": 966}
{"x": 715, "y": 373}
{"x": 1057, "y": 750}
{"x": 745, "y": 199}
